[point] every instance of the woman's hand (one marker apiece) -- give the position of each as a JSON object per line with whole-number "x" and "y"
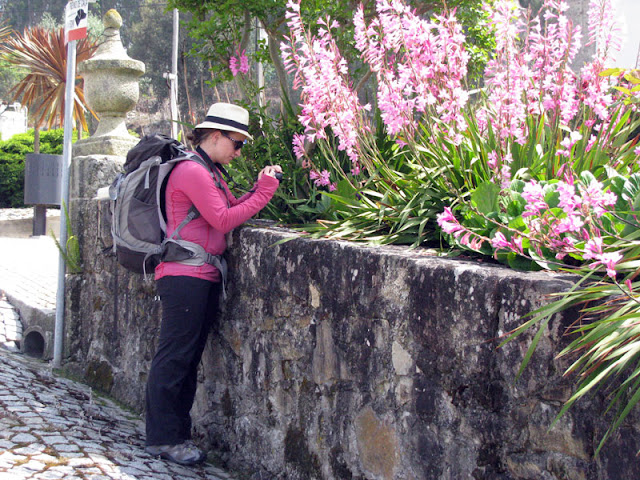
{"x": 270, "y": 170}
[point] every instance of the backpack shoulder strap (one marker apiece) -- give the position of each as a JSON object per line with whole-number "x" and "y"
{"x": 193, "y": 212}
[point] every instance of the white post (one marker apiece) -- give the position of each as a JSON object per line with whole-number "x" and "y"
{"x": 260, "y": 70}
{"x": 174, "y": 74}
{"x": 66, "y": 163}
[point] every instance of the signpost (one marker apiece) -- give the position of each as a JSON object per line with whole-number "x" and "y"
{"x": 75, "y": 20}
{"x": 75, "y": 28}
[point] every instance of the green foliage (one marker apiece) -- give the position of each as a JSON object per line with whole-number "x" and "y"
{"x": 9, "y": 77}
{"x": 26, "y": 13}
{"x": 71, "y": 252}
{"x": 296, "y": 200}
{"x": 12, "y": 155}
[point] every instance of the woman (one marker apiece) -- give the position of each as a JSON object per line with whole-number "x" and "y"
{"x": 189, "y": 294}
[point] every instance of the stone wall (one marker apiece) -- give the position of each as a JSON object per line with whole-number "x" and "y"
{"x": 334, "y": 360}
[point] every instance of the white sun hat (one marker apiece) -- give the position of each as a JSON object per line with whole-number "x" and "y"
{"x": 229, "y": 117}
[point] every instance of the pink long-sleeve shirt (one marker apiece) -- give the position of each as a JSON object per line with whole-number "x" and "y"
{"x": 191, "y": 184}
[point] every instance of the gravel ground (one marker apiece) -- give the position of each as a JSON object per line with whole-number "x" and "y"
{"x": 22, "y": 213}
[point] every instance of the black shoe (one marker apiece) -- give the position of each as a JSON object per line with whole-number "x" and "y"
{"x": 185, "y": 453}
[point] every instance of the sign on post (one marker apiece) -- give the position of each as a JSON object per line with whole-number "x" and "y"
{"x": 75, "y": 23}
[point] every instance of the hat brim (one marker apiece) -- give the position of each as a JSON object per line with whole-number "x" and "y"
{"x": 227, "y": 128}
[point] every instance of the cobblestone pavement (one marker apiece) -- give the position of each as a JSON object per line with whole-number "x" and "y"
{"x": 53, "y": 428}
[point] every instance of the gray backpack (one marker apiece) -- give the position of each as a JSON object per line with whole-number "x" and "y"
{"x": 138, "y": 222}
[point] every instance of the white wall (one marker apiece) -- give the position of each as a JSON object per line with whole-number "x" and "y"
{"x": 13, "y": 119}
{"x": 628, "y": 13}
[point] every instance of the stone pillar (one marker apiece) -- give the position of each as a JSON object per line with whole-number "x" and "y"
{"x": 111, "y": 90}
{"x": 579, "y": 14}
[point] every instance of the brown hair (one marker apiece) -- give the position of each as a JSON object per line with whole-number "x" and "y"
{"x": 199, "y": 135}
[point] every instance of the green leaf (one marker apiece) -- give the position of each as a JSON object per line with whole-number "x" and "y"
{"x": 518, "y": 262}
{"x": 629, "y": 77}
{"x": 485, "y": 197}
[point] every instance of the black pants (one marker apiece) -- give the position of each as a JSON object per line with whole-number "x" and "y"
{"x": 189, "y": 308}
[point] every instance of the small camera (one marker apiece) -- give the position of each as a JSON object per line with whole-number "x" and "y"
{"x": 279, "y": 176}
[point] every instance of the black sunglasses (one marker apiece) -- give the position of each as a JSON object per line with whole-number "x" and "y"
{"x": 237, "y": 144}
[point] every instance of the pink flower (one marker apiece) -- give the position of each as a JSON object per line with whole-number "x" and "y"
{"x": 533, "y": 193}
{"x": 568, "y": 143}
{"x": 516, "y": 244}
{"x": 324, "y": 178}
{"x": 604, "y": 31}
{"x": 499, "y": 241}
{"x": 327, "y": 97}
{"x": 244, "y": 63}
{"x": 569, "y": 201}
{"x": 476, "y": 243}
{"x": 505, "y": 171}
{"x": 448, "y": 222}
{"x": 571, "y": 223}
{"x": 320, "y": 179}
{"x": 233, "y": 66}
{"x": 609, "y": 260}
{"x": 492, "y": 161}
{"x": 593, "y": 248}
{"x": 298, "y": 146}
{"x": 594, "y": 197}
{"x": 530, "y": 73}
{"x": 239, "y": 64}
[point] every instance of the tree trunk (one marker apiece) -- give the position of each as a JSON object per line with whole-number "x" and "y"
{"x": 36, "y": 139}
{"x": 274, "y": 53}
{"x": 246, "y": 32}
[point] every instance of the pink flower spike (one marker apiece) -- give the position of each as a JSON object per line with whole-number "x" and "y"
{"x": 492, "y": 161}
{"x": 233, "y": 66}
{"x": 298, "y": 145}
{"x": 244, "y": 63}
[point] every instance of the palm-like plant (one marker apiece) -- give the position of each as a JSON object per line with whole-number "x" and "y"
{"x": 5, "y": 30}
{"x": 42, "y": 54}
